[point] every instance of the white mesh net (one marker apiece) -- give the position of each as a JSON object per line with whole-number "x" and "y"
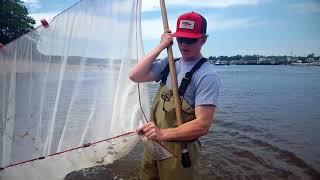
{"x": 65, "y": 94}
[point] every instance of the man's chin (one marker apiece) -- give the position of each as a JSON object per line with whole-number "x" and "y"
{"x": 186, "y": 56}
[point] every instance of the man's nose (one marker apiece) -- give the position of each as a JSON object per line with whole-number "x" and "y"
{"x": 183, "y": 44}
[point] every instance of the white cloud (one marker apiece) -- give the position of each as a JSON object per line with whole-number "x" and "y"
{"x": 121, "y": 7}
{"x": 216, "y": 23}
{"x": 306, "y": 7}
{"x": 33, "y": 4}
{"x": 152, "y": 28}
{"x": 89, "y": 33}
{"x": 152, "y": 5}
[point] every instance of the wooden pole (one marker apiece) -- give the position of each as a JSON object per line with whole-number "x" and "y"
{"x": 176, "y": 97}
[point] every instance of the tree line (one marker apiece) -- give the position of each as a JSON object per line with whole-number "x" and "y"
{"x": 256, "y": 57}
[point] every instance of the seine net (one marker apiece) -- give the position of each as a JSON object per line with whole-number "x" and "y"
{"x": 66, "y": 101}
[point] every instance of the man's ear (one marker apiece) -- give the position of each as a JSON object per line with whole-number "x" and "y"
{"x": 203, "y": 40}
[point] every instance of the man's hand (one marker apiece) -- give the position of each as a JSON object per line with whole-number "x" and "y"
{"x": 166, "y": 39}
{"x": 151, "y": 131}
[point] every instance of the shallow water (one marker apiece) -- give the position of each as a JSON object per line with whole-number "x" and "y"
{"x": 266, "y": 127}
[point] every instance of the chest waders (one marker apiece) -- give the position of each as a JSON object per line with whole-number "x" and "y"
{"x": 164, "y": 116}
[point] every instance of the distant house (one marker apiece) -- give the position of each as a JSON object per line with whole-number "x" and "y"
{"x": 311, "y": 59}
{"x": 290, "y": 59}
{"x": 264, "y": 60}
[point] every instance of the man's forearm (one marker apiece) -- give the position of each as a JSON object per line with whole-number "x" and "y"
{"x": 186, "y": 132}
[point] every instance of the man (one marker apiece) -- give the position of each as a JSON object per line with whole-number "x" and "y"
{"x": 199, "y": 98}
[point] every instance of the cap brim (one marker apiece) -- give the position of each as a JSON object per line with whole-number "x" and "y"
{"x": 187, "y": 35}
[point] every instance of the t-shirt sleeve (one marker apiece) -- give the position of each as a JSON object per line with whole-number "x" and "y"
{"x": 207, "y": 90}
{"x": 157, "y": 67}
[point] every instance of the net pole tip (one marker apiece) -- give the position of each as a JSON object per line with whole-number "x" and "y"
{"x": 44, "y": 23}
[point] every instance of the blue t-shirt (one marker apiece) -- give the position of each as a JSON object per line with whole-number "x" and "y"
{"x": 204, "y": 86}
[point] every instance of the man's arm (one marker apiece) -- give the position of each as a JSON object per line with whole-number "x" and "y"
{"x": 187, "y": 131}
{"x": 142, "y": 71}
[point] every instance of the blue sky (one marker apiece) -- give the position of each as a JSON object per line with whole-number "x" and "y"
{"x": 265, "y": 27}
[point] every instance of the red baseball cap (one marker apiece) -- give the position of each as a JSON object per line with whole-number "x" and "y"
{"x": 191, "y": 25}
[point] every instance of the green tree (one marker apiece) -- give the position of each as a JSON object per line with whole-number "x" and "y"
{"x": 14, "y": 21}
{"x": 310, "y": 55}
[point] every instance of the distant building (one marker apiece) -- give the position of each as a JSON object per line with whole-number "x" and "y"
{"x": 290, "y": 59}
{"x": 264, "y": 60}
{"x": 311, "y": 60}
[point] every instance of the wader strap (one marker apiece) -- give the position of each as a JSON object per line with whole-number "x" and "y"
{"x": 188, "y": 76}
{"x": 185, "y": 80}
{"x": 165, "y": 73}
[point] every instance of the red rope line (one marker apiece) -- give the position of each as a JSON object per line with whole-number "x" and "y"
{"x": 137, "y": 56}
{"x": 72, "y": 149}
{"x": 140, "y": 104}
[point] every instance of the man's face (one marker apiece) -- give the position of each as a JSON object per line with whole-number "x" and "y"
{"x": 190, "y": 48}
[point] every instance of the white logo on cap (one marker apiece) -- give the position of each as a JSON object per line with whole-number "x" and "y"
{"x": 186, "y": 24}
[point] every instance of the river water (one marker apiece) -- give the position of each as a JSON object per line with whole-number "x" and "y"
{"x": 266, "y": 127}
{"x": 267, "y": 124}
